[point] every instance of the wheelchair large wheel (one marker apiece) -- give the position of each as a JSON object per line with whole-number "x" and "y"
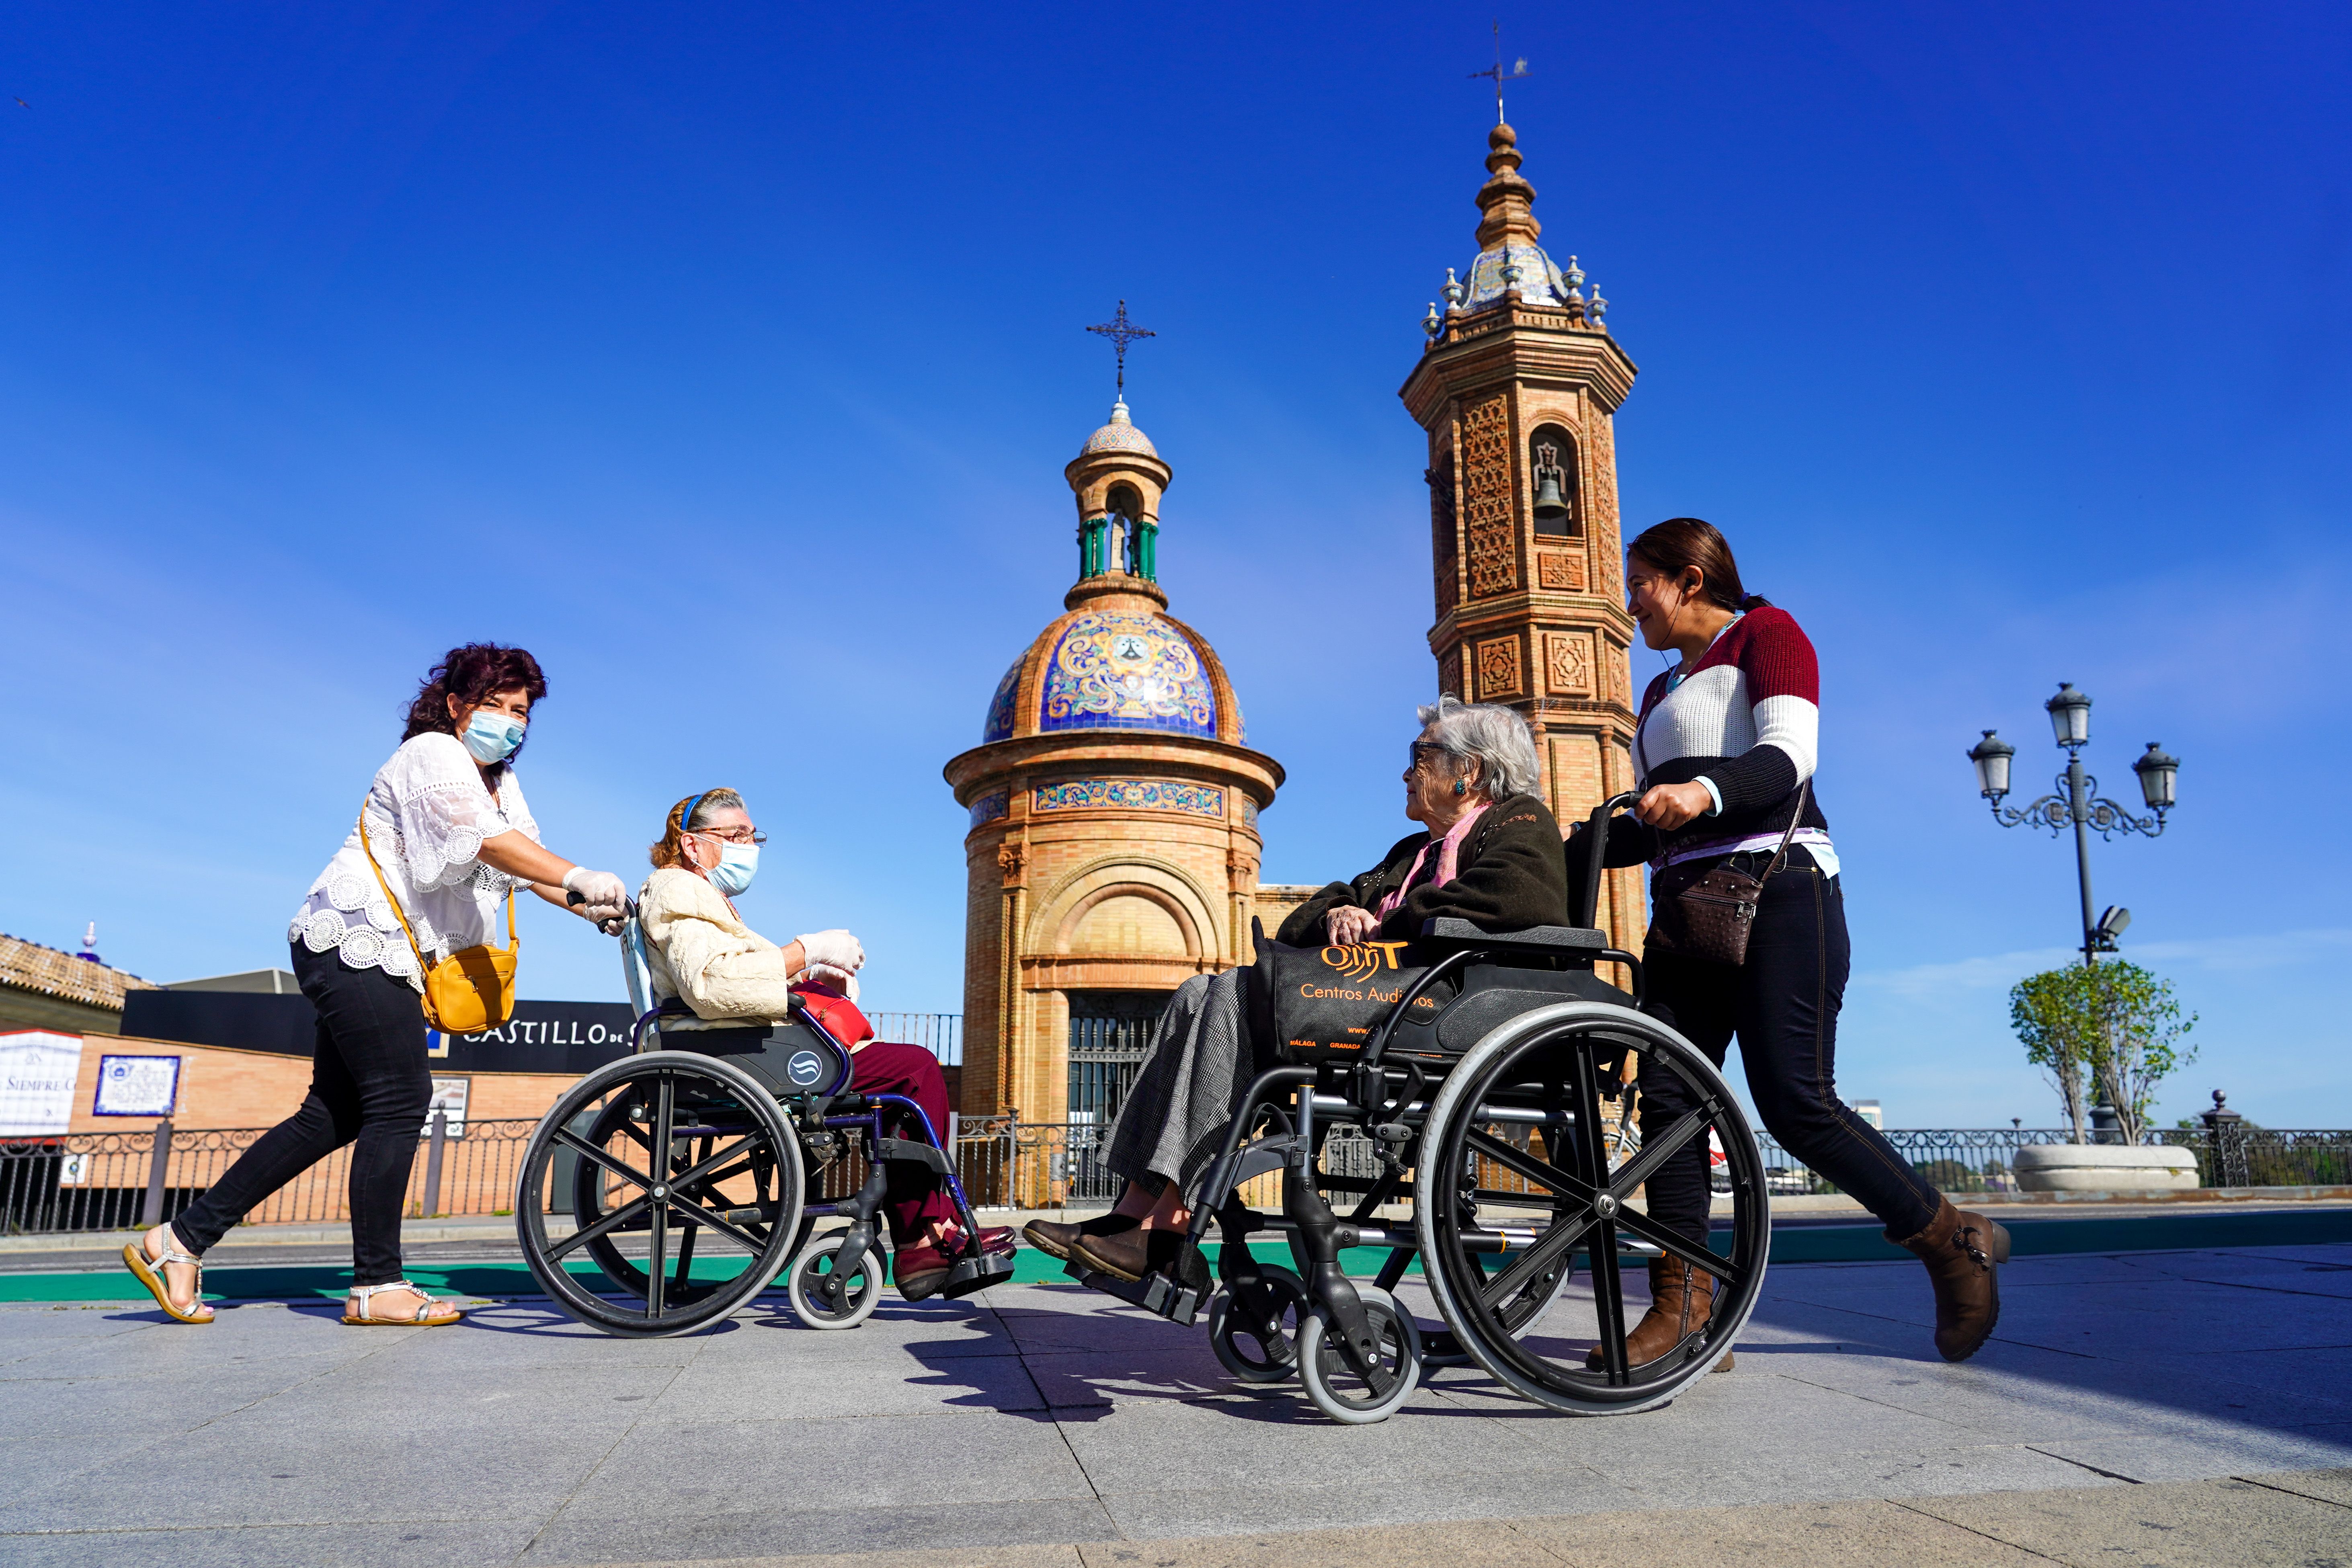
{"x": 1547, "y": 1063}
{"x": 685, "y": 1192}
{"x": 1342, "y": 1392}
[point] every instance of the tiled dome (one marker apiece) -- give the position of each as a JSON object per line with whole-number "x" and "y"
{"x": 1119, "y": 435}
{"x": 1106, "y": 667}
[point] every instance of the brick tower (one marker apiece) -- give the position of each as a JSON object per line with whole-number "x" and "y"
{"x": 1517, "y": 387}
{"x": 1114, "y": 845}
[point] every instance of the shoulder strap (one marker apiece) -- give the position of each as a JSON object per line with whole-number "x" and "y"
{"x": 398, "y": 914}
{"x": 1794, "y": 818}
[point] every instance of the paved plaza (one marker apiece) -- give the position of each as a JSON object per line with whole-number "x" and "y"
{"x": 1041, "y": 1424}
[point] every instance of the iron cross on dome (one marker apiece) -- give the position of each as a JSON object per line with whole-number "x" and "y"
{"x": 1121, "y": 332}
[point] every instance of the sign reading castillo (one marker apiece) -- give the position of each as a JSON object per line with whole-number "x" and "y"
{"x": 569, "y": 1038}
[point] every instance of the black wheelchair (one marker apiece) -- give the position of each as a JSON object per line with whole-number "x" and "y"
{"x": 687, "y": 1164}
{"x": 1485, "y": 1154}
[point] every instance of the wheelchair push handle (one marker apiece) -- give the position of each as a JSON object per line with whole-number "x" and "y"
{"x": 1596, "y": 830}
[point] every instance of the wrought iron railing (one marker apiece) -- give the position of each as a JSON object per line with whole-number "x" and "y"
{"x": 1984, "y": 1159}
{"x": 941, "y": 1034}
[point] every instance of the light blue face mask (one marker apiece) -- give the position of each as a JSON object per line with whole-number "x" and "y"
{"x": 492, "y": 736}
{"x": 738, "y": 864}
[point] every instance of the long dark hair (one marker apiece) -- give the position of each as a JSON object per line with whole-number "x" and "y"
{"x": 471, "y": 674}
{"x": 1679, "y": 544}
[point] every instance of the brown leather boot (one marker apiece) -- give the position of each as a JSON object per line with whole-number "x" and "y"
{"x": 1962, "y": 1250}
{"x": 1677, "y": 1311}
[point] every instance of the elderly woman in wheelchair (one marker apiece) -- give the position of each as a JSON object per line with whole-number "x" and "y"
{"x": 763, "y": 1062}
{"x": 1430, "y": 1044}
{"x": 1487, "y": 851}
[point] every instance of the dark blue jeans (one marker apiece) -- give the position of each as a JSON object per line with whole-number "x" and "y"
{"x": 1782, "y": 1003}
{"x": 370, "y": 1086}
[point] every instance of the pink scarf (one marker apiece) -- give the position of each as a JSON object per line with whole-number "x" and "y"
{"x": 1448, "y": 849}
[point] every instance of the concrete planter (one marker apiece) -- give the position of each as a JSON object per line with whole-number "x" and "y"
{"x": 2104, "y": 1168}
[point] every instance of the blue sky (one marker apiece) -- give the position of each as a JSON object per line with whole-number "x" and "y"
{"x": 727, "y": 358}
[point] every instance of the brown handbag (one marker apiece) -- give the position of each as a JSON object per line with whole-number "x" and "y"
{"x": 1713, "y": 914}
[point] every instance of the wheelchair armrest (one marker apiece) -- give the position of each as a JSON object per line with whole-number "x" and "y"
{"x": 1533, "y": 939}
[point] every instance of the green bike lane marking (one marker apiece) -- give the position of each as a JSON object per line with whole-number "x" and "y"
{"x": 1798, "y": 1244}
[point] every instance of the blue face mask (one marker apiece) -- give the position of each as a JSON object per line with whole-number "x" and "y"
{"x": 492, "y": 736}
{"x": 738, "y": 864}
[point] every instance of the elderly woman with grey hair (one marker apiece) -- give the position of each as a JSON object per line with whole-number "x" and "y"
{"x": 1489, "y": 852}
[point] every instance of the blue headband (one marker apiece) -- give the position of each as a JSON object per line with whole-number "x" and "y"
{"x": 686, "y": 818}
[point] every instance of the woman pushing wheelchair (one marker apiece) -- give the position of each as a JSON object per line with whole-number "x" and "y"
{"x": 1724, "y": 754}
{"x": 703, "y": 957}
{"x": 1489, "y": 852}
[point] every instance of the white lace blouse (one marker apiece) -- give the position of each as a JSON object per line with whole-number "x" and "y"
{"x": 428, "y": 814}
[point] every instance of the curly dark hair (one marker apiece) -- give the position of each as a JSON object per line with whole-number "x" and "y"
{"x": 471, "y": 674}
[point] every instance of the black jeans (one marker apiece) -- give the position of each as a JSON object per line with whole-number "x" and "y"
{"x": 368, "y": 1086}
{"x": 1783, "y": 1004}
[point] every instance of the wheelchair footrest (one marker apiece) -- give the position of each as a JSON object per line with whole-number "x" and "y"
{"x": 1156, "y": 1293}
{"x": 977, "y": 1274}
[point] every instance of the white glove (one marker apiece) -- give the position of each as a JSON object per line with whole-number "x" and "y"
{"x": 841, "y": 980}
{"x": 606, "y": 896}
{"x": 834, "y": 949}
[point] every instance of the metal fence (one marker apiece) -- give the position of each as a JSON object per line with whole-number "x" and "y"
{"x": 109, "y": 1181}
{"x": 1984, "y": 1159}
{"x": 941, "y": 1034}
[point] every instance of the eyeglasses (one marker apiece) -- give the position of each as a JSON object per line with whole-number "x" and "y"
{"x": 730, "y": 835}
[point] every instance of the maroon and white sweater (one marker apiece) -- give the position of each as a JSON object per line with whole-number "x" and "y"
{"x": 1745, "y": 722}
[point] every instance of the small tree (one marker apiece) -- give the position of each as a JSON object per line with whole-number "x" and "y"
{"x": 2139, "y": 1039}
{"x": 2046, "y": 1012}
{"x": 2115, "y": 1024}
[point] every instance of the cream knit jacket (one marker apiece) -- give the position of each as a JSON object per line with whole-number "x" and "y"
{"x": 698, "y": 949}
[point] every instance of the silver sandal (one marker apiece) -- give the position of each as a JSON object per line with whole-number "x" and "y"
{"x": 149, "y": 1272}
{"x": 431, "y": 1312}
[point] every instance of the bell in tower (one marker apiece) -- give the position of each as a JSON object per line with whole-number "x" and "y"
{"x": 1516, "y": 388}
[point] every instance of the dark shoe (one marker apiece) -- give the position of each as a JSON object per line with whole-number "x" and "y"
{"x": 1129, "y": 1255}
{"x": 1681, "y": 1304}
{"x": 919, "y": 1270}
{"x": 1056, "y": 1241}
{"x": 1962, "y": 1250}
{"x": 996, "y": 1239}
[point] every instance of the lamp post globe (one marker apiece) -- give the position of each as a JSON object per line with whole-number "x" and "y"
{"x": 1991, "y": 755}
{"x": 2070, "y": 715}
{"x": 2157, "y": 771}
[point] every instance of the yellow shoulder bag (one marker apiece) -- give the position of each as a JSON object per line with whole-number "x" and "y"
{"x": 466, "y": 992}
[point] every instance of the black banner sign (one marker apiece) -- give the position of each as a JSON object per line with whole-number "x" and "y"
{"x": 569, "y": 1038}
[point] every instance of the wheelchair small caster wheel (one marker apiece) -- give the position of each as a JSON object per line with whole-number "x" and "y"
{"x": 830, "y": 1292}
{"x": 1254, "y": 1331}
{"x": 1342, "y": 1392}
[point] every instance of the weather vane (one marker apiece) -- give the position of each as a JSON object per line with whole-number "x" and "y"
{"x": 1498, "y": 74}
{"x": 1121, "y": 332}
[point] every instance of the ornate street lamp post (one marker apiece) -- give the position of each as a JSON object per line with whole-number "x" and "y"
{"x": 2076, "y": 802}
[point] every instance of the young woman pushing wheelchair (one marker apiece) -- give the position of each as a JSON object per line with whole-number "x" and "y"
{"x": 1725, "y": 753}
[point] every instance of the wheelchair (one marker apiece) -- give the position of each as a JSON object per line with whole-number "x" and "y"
{"x": 1491, "y": 1164}
{"x": 687, "y": 1165}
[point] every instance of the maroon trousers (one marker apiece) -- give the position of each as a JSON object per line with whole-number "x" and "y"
{"x": 917, "y": 1196}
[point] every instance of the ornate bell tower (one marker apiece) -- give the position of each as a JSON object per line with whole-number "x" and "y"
{"x": 1517, "y": 387}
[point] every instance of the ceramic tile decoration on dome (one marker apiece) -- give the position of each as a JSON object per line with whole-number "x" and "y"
{"x": 1113, "y": 848}
{"x": 1115, "y": 671}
